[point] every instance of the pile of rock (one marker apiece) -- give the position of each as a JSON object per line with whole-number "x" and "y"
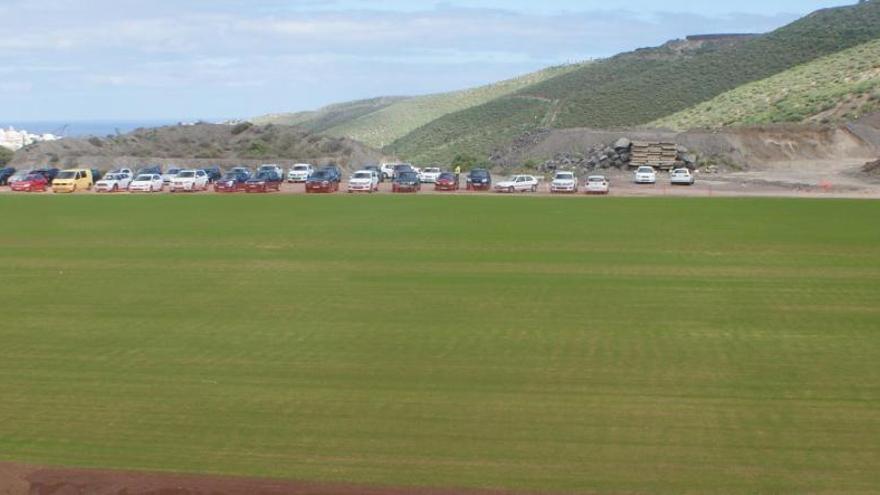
{"x": 872, "y": 167}
{"x": 620, "y": 155}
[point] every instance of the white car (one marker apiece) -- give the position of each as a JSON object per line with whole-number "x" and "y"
{"x": 271, "y": 167}
{"x": 518, "y": 183}
{"x": 363, "y": 181}
{"x": 190, "y": 180}
{"x": 300, "y": 172}
{"x": 113, "y": 182}
{"x": 597, "y": 184}
{"x": 564, "y": 182}
{"x": 682, "y": 176}
{"x": 645, "y": 175}
{"x": 429, "y": 175}
{"x": 147, "y": 183}
{"x": 170, "y": 174}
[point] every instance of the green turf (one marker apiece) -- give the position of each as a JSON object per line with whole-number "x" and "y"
{"x": 565, "y": 344}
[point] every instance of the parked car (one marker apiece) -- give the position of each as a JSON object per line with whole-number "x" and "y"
{"x": 335, "y": 172}
{"x": 645, "y": 175}
{"x": 48, "y": 173}
{"x": 214, "y": 173}
{"x": 72, "y": 180}
{"x": 363, "y": 181}
{"x": 19, "y": 176}
{"x": 388, "y": 169}
{"x": 322, "y": 181}
{"x": 243, "y": 170}
{"x": 121, "y": 171}
{"x": 231, "y": 182}
{"x": 264, "y": 182}
{"x": 147, "y": 183}
{"x": 407, "y": 182}
{"x": 479, "y": 179}
{"x": 401, "y": 168}
{"x": 271, "y": 167}
{"x": 682, "y": 177}
{"x": 564, "y": 182}
{"x": 518, "y": 183}
{"x": 597, "y": 184}
{"x": 378, "y": 170}
{"x": 429, "y": 175}
{"x": 113, "y": 183}
{"x": 5, "y": 174}
{"x": 447, "y": 181}
{"x": 189, "y": 181}
{"x": 300, "y": 172}
{"x": 33, "y": 182}
{"x": 151, "y": 169}
{"x": 170, "y": 174}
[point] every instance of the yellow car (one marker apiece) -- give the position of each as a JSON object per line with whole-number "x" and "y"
{"x": 76, "y": 179}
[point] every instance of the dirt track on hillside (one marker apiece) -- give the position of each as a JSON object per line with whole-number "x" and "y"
{"x": 18, "y": 479}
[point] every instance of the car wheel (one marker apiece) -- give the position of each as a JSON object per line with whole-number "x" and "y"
{"x": 534, "y": 189}
{"x": 511, "y": 190}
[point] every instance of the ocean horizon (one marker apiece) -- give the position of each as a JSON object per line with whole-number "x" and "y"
{"x": 87, "y": 128}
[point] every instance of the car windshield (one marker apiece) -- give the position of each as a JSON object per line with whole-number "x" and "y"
{"x": 363, "y": 175}
{"x": 321, "y": 175}
{"x": 479, "y": 174}
{"x": 267, "y": 168}
{"x": 409, "y": 176}
{"x": 34, "y": 176}
{"x": 564, "y": 176}
{"x": 66, "y": 175}
{"x": 447, "y": 176}
{"x": 113, "y": 177}
{"x": 402, "y": 168}
{"x": 144, "y": 178}
{"x": 262, "y": 176}
{"x": 301, "y": 168}
{"x": 186, "y": 175}
{"x": 173, "y": 171}
{"x": 230, "y": 177}
{"x": 432, "y": 170}
{"x": 646, "y": 170}
{"x": 597, "y": 179}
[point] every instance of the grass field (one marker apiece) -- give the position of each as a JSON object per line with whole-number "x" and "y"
{"x": 568, "y": 345}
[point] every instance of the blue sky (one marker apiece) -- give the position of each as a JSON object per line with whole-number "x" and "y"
{"x": 129, "y": 59}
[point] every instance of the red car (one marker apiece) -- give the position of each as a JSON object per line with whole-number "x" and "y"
{"x": 263, "y": 183}
{"x": 32, "y": 183}
{"x": 447, "y": 181}
{"x": 230, "y": 183}
{"x": 322, "y": 181}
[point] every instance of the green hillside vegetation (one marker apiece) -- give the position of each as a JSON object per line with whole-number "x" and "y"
{"x": 394, "y": 121}
{"x": 640, "y": 87}
{"x": 845, "y": 84}
{"x": 330, "y": 116}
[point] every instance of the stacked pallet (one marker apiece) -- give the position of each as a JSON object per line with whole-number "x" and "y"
{"x": 657, "y": 155}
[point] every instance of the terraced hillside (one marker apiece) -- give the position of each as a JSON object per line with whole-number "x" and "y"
{"x": 845, "y": 85}
{"x": 381, "y": 121}
{"x": 640, "y": 87}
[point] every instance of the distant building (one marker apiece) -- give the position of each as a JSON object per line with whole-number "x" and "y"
{"x": 16, "y": 140}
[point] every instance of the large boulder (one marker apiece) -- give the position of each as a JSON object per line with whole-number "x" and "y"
{"x": 623, "y": 144}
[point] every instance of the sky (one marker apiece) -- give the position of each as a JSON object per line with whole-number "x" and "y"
{"x": 69, "y": 60}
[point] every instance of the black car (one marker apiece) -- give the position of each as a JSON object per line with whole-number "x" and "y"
{"x": 406, "y": 182}
{"x": 323, "y": 181}
{"x": 243, "y": 170}
{"x": 232, "y": 182}
{"x": 334, "y": 172}
{"x": 214, "y": 173}
{"x": 48, "y": 173}
{"x": 5, "y": 174}
{"x": 377, "y": 169}
{"x": 151, "y": 170}
{"x": 479, "y": 179}
{"x": 401, "y": 168}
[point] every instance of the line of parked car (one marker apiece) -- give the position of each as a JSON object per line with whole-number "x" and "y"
{"x": 405, "y": 178}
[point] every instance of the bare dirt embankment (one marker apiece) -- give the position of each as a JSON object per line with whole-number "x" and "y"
{"x": 17, "y": 479}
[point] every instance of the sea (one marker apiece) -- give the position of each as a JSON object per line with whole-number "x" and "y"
{"x": 89, "y": 128}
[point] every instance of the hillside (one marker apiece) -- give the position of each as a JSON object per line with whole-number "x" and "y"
{"x": 200, "y": 144}
{"x": 841, "y": 86}
{"x": 380, "y": 121}
{"x": 640, "y": 87}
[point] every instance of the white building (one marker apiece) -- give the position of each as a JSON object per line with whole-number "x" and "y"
{"x": 15, "y": 140}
